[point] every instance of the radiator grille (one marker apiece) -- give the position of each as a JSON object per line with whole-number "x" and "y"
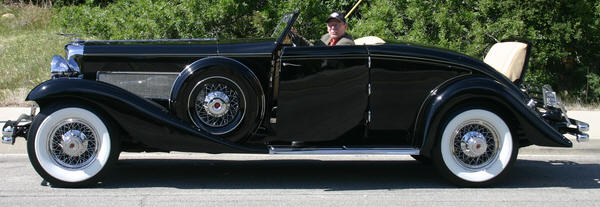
{"x": 147, "y": 85}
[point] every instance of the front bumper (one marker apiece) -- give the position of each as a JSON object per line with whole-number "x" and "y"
{"x": 18, "y": 128}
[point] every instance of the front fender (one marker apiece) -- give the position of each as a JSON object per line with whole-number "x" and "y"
{"x": 142, "y": 119}
{"x": 469, "y": 88}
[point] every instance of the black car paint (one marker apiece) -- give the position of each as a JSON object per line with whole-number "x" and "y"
{"x": 139, "y": 118}
{"x": 331, "y": 84}
{"x": 323, "y": 89}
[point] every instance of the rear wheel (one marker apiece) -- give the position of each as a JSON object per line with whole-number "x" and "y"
{"x": 476, "y": 148}
{"x": 72, "y": 145}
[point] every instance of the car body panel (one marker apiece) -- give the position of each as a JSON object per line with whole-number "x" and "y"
{"x": 142, "y": 120}
{"x": 323, "y": 89}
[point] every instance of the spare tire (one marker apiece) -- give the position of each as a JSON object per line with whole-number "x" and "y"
{"x": 220, "y": 101}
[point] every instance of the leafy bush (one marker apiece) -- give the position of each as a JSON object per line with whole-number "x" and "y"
{"x": 59, "y": 3}
{"x": 593, "y": 89}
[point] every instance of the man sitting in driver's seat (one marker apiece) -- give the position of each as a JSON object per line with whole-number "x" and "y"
{"x": 336, "y": 31}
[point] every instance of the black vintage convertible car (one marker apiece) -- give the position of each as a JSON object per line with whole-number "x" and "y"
{"x": 467, "y": 117}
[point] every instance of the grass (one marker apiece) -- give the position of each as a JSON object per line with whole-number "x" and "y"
{"x": 27, "y": 43}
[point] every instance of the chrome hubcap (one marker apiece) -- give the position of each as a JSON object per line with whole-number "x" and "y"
{"x": 216, "y": 104}
{"x": 475, "y": 144}
{"x": 73, "y": 144}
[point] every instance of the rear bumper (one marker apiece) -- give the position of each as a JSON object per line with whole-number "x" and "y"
{"x": 578, "y": 128}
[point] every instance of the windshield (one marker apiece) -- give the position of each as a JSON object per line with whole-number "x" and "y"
{"x": 284, "y": 26}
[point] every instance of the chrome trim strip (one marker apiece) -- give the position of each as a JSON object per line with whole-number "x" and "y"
{"x": 307, "y": 57}
{"x": 342, "y": 151}
{"x": 291, "y": 64}
{"x": 138, "y": 73}
{"x": 104, "y": 42}
{"x": 246, "y": 54}
{"x": 183, "y": 54}
{"x": 150, "y": 54}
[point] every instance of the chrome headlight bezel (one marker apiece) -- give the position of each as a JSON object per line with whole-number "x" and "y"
{"x": 67, "y": 67}
{"x": 59, "y": 65}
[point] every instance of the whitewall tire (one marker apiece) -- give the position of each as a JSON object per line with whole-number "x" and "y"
{"x": 71, "y": 146}
{"x": 476, "y": 148}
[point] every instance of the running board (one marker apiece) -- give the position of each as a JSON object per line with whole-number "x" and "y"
{"x": 274, "y": 149}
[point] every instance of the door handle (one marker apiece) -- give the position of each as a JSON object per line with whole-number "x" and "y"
{"x": 291, "y": 64}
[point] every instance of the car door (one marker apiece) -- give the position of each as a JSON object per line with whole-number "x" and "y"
{"x": 402, "y": 77}
{"x": 322, "y": 92}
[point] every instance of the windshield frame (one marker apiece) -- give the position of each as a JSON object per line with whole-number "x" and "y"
{"x": 288, "y": 27}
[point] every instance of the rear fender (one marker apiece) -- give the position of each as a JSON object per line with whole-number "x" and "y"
{"x": 526, "y": 123}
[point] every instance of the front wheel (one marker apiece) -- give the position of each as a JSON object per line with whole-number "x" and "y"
{"x": 476, "y": 148}
{"x": 71, "y": 145}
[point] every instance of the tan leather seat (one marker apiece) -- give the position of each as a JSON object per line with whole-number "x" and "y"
{"x": 369, "y": 40}
{"x": 507, "y": 58}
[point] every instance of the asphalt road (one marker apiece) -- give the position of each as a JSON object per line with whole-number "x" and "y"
{"x": 542, "y": 176}
{"x": 195, "y": 179}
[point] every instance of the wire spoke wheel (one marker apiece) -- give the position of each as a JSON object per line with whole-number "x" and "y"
{"x": 71, "y": 145}
{"x": 217, "y": 105}
{"x": 475, "y": 144}
{"x": 476, "y": 148}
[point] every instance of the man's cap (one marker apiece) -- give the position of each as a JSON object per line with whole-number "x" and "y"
{"x": 336, "y": 15}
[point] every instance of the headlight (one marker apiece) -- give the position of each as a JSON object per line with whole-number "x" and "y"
{"x": 59, "y": 65}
